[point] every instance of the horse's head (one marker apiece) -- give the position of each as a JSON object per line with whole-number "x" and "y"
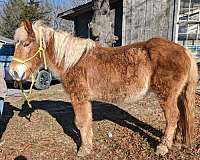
{"x": 25, "y": 61}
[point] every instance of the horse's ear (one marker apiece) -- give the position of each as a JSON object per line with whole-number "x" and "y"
{"x": 27, "y": 26}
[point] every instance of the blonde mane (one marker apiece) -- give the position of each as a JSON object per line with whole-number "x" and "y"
{"x": 67, "y": 48}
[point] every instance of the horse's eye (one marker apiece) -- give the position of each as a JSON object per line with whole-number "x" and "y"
{"x": 26, "y": 44}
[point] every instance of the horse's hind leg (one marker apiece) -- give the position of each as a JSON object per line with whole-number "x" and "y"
{"x": 83, "y": 121}
{"x": 171, "y": 113}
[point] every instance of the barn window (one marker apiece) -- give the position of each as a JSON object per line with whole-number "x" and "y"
{"x": 188, "y": 25}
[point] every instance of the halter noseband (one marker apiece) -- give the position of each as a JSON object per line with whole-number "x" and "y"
{"x": 39, "y": 51}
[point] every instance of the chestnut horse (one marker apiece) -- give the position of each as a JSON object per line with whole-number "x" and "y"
{"x": 118, "y": 75}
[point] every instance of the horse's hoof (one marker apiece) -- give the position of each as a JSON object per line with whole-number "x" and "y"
{"x": 177, "y": 145}
{"x": 161, "y": 149}
{"x": 84, "y": 151}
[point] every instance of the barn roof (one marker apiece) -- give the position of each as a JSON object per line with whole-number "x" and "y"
{"x": 74, "y": 12}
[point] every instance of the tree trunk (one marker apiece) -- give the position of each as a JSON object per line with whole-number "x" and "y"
{"x": 102, "y": 24}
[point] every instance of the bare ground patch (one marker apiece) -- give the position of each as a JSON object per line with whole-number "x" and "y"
{"x": 128, "y": 132}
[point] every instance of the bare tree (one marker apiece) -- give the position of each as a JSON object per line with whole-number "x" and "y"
{"x": 76, "y": 3}
{"x": 14, "y": 11}
{"x": 55, "y": 8}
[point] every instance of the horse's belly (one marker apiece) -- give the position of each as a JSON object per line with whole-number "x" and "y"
{"x": 125, "y": 95}
{"x": 135, "y": 96}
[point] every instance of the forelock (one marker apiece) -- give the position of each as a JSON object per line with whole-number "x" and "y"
{"x": 20, "y": 34}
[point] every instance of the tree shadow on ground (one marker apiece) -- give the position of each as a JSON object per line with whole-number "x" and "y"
{"x": 8, "y": 113}
{"x": 64, "y": 115}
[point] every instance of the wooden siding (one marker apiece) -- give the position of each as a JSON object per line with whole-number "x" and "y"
{"x": 144, "y": 19}
{"x": 81, "y": 25}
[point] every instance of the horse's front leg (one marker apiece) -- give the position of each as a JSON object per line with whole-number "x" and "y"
{"x": 83, "y": 121}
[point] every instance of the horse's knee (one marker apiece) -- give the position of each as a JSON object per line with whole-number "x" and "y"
{"x": 79, "y": 123}
{"x": 83, "y": 114}
{"x": 172, "y": 117}
{"x": 171, "y": 112}
{"x": 172, "y": 120}
{"x": 82, "y": 122}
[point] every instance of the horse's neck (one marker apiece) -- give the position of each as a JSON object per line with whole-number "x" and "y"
{"x": 50, "y": 57}
{"x": 57, "y": 69}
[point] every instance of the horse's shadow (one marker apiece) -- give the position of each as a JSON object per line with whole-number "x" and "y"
{"x": 64, "y": 115}
{"x": 8, "y": 113}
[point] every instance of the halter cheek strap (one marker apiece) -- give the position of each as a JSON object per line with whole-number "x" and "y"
{"x": 41, "y": 52}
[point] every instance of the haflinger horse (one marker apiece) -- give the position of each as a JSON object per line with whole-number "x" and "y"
{"x": 118, "y": 75}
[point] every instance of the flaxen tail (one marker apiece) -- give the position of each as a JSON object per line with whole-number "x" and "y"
{"x": 187, "y": 104}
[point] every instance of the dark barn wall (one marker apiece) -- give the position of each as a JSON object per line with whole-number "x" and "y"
{"x": 82, "y": 20}
{"x": 144, "y": 19}
{"x": 118, "y": 9}
{"x": 81, "y": 24}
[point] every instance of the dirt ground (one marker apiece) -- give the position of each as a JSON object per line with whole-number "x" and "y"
{"x": 120, "y": 132}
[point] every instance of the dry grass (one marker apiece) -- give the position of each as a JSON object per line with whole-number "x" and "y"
{"x": 118, "y": 134}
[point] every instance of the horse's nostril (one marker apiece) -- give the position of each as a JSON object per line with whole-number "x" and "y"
{"x": 16, "y": 75}
{"x": 12, "y": 74}
{"x": 23, "y": 76}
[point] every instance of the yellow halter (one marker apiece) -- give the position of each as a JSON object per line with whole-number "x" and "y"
{"x": 41, "y": 52}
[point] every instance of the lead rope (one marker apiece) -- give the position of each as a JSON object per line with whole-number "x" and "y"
{"x": 27, "y": 98}
{"x": 41, "y": 52}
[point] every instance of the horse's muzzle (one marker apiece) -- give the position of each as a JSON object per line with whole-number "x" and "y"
{"x": 18, "y": 74}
